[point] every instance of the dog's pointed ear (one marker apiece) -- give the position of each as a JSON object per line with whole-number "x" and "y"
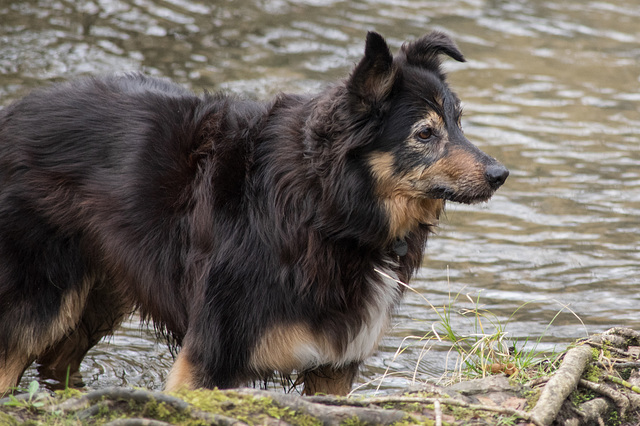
{"x": 372, "y": 79}
{"x": 425, "y": 52}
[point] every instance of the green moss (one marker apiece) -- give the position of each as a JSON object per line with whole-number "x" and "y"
{"x": 581, "y": 395}
{"x": 462, "y": 413}
{"x": 592, "y": 373}
{"x": 6, "y": 419}
{"x": 405, "y": 406}
{"x": 158, "y": 411}
{"x": 246, "y": 408}
{"x": 353, "y": 421}
{"x": 151, "y": 409}
{"x": 410, "y": 420}
{"x": 20, "y": 416}
{"x": 532, "y": 396}
{"x": 508, "y": 421}
{"x": 63, "y": 395}
{"x": 614, "y": 419}
{"x": 626, "y": 373}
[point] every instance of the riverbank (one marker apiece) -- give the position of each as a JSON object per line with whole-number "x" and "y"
{"x": 597, "y": 381}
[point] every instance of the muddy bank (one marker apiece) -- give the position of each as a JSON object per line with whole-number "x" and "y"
{"x": 597, "y": 381}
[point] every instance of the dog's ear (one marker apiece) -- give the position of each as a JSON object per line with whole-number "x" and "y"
{"x": 425, "y": 52}
{"x": 373, "y": 77}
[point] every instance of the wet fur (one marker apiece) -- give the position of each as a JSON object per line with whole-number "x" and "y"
{"x": 258, "y": 236}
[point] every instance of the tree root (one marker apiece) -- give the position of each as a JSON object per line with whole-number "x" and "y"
{"x": 91, "y": 403}
{"x": 331, "y": 414}
{"x": 619, "y": 399}
{"x": 615, "y": 394}
{"x": 624, "y": 383}
{"x": 137, "y": 422}
{"x": 450, "y": 402}
{"x": 563, "y": 382}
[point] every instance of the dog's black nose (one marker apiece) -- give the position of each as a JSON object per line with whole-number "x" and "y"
{"x": 496, "y": 174}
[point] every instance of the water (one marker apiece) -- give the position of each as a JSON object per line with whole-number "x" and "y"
{"x": 550, "y": 88}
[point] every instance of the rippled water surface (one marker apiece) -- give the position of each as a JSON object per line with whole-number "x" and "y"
{"x": 550, "y": 88}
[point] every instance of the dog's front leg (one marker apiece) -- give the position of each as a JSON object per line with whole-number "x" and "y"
{"x": 182, "y": 375}
{"x": 208, "y": 360}
{"x": 329, "y": 379}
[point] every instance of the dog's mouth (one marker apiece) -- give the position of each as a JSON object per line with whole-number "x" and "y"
{"x": 470, "y": 191}
{"x": 464, "y": 197}
{"x": 466, "y": 188}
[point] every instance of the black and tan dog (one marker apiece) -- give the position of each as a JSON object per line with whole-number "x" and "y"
{"x": 258, "y": 237}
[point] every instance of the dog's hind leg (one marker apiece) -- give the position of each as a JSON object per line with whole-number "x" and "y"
{"x": 28, "y": 327}
{"x": 11, "y": 369}
{"x": 26, "y": 332}
{"x": 104, "y": 311}
{"x": 328, "y": 379}
{"x": 43, "y": 287}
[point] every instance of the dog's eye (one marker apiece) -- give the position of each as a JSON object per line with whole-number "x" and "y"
{"x": 425, "y": 134}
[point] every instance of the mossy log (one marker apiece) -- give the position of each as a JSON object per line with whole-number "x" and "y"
{"x": 597, "y": 382}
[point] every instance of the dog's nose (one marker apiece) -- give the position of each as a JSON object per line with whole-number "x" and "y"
{"x": 496, "y": 174}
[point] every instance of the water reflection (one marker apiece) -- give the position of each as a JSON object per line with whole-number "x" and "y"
{"x": 550, "y": 88}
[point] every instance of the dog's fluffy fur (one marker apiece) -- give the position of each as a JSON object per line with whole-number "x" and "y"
{"x": 258, "y": 236}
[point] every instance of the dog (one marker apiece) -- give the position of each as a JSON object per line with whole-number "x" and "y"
{"x": 257, "y": 237}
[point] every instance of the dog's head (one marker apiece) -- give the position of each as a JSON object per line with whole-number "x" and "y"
{"x": 417, "y": 153}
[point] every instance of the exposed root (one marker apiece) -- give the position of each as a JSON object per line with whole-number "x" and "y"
{"x": 91, "y": 403}
{"x": 618, "y": 398}
{"x": 560, "y": 386}
{"x": 332, "y": 414}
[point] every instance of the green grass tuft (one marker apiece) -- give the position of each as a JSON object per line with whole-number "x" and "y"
{"x": 484, "y": 346}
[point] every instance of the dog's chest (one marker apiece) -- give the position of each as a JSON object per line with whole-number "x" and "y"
{"x": 386, "y": 294}
{"x": 300, "y": 347}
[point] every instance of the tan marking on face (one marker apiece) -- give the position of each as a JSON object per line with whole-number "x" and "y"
{"x": 403, "y": 202}
{"x": 460, "y": 171}
{"x": 431, "y": 120}
{"x": 181, "y": 374}
{"x": 286, "y": 348}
